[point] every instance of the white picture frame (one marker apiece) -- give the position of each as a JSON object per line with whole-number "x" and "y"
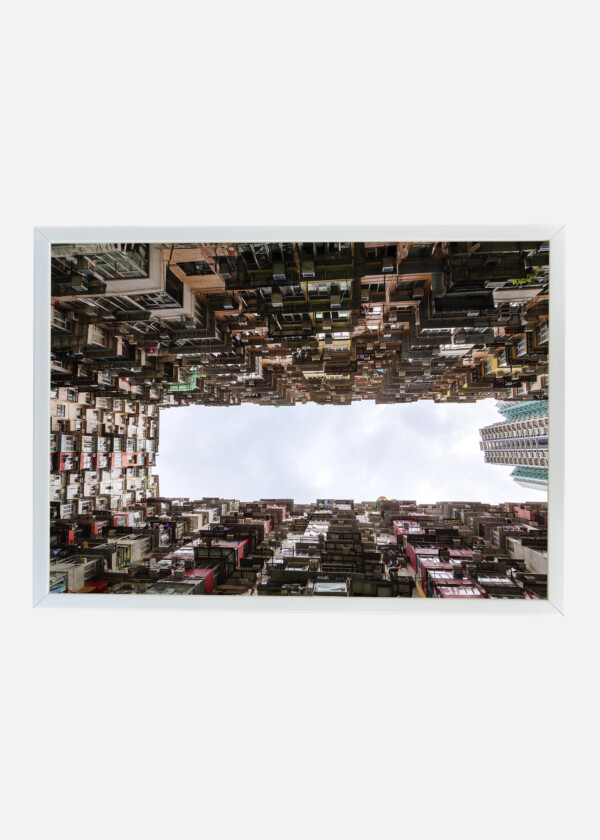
{"x": 45, "y": 237}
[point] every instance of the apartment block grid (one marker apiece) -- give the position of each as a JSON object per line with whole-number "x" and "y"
{"x": 138, "y": 328}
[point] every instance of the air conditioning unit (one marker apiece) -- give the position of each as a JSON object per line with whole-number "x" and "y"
{"x": 308, "y": 268}
{"x": 278, "y": 271}
{"x": 79, "y": 284}
{"x": 388, "y": 265}
{"x": 84, "y": 266}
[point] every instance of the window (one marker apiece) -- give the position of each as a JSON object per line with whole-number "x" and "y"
{"x": 318, "y": 290}
{"x": 541, "y": 333}
{"x": 60, "y": 410}
{"x": 71, "y": 395}
{"x": 293, "y": 292}
{"x": 199, "y": 267}
{"x": 67, "y": 444}
{"x": 174, "y": 288}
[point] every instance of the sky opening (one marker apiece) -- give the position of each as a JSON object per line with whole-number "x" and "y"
{"x": 424, "y": 451}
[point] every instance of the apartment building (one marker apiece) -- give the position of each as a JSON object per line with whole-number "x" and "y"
{"x": 333, "y": 547}
{"x": 277, "y": 323}
{"x": 520, "y": 440}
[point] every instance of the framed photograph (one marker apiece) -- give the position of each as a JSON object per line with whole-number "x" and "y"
{"x": 346, "y": 419}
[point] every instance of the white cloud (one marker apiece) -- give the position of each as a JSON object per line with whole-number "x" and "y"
{"x": 423, "y": 451}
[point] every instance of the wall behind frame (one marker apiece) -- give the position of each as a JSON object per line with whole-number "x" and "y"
{"x": 350, "y": 708}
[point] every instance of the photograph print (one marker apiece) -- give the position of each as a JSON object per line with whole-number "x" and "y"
{"x": 310, "y": 419}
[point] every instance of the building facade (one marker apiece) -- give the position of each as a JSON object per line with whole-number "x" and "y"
{"x": 332, "y": 547}
{"x": 520, "y": 440}
{"x": 280, "y": 323}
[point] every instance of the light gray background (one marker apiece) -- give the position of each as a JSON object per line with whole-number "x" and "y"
{"x": 431, "y": 112}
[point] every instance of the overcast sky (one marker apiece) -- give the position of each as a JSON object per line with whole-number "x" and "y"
{"x": 424, "y": 451}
